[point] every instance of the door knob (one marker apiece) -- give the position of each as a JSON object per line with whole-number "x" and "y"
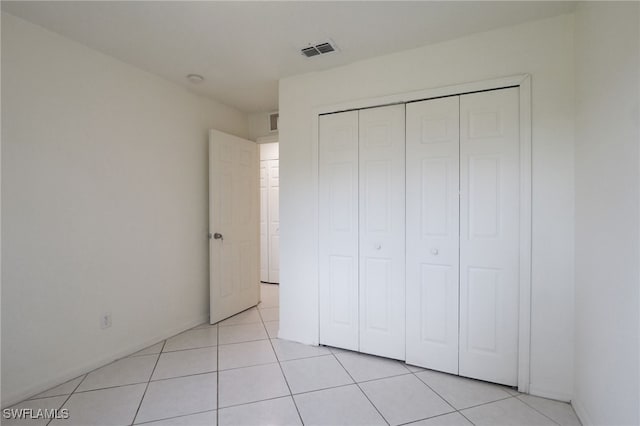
{"x": 218, "y": 236}
{"x": 377, "y": 246}
{"x": 434, "y": 251}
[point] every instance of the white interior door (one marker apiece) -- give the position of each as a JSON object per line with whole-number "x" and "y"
{"x": 233, "y": 223}
{"x": 338, "y": 229}
{"x": 264, "y": 222}
{"x": 382, "y": 230}
{"x": 433, "y": 142}
{"x": 274, "y": 220}
{"x": 489, "y": 235}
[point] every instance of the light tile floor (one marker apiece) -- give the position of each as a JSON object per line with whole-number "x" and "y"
{"x": 238, "y": 373}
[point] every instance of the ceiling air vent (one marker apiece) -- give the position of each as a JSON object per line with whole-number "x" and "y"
{"x": 310, "y": 51}
{"x": 325, "y": 48}
{"x": 318, "y": 49}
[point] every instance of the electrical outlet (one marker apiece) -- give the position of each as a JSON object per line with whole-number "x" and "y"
{"x": 105, "y": 320}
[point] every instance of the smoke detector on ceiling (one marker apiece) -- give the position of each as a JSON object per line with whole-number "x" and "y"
{"x": 319, "y": 49}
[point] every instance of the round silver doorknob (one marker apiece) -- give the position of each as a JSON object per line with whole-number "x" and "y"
{"x": 377, "y": 246}
{"x": 434, "y": 252}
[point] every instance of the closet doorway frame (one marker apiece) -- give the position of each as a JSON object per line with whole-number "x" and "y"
{"x": 523, "y": 82}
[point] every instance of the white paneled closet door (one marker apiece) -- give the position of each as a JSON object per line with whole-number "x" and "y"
{"x": 489, "y": 235}
{"x": 338, "y": 229}
{"x": 264, "y": 222}
{"x": 269, "y": 213}
{"x": 382, "y": 230}
{"x": 273, "y": 188}
{"x": 433, "y": 142}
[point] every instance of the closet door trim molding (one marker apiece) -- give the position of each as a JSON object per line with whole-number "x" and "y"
{"x": 523, "y": 82}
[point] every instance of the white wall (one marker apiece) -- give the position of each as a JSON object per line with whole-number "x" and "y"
{"x": 104, "y": 197}
{"x": 259, "y": 126}
{"x": 545, "y": 50}
{"x": 607, "y": 359}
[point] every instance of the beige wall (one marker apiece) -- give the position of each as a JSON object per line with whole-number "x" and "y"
{"x": 105, "y": 207}
{"x": 607, "y": 355}
{"x": 543, "y": 49}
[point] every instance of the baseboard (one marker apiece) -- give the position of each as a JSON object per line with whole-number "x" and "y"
{"x": 581, "y": 412}
{"x": 13, "y": 398}
{"x": 545, "y": 393}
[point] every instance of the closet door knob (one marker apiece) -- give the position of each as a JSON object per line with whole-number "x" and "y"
{"x": 434, "y": 251}
{"x": 377, "y": 246}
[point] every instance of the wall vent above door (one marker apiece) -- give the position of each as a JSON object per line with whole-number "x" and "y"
{"x": 273, "y": 121}
{"x": 319, "y": 49}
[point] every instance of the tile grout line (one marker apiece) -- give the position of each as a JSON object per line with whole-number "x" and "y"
{"x": 173, "y": 417}
{"x": 69, "y": 396}
{"x": 466, "y": 418}
{"x": 280, "y": 366}
{"x": 427, "y": 418}
{"x": 148, "y": 382}
{"x": 535, "y": 409}
{"x": 363, "y": 392}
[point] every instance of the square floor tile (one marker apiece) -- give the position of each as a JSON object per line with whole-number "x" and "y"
{"x": 279, "y": 411}
{"x": 345, "y": 405}
{"x": 310, "y": 374}
{"x": 404, "y": 399}
{"x": 176, "y": 397}
{"x": 242, "y": 333}
{"x": 191, "y": 339}
{"x": 63, "y": 389}
{"x": 451, "y": 419}
{"x": 113, "y": 406}
{"x": 151, "y": 350}
{"x": 270, "y": 314}
{"x": 251, "y": 384}
{"x": 250, "y": 316}
{"x": 287, "y": 350}
{"x": 460, "y": 391}
{"x": 126, "y": 371}
{"x": 272, "y": 328}
{"x": 52, "y": 403}
{"x": 269, "y": 295}
{"x": 507, "y": 412}
{"x": 187, "y": 362}
{"x": 246, "y": 354}
{"x": 368, "y": 367}
{"x": 208, "y": 418}
{"x": 560, "y": 412}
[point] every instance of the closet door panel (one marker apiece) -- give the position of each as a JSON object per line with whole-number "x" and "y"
{"x": 489, "y": 240}
{"x": 338, "y": 229}
{"x": 264, "y": 222}
{"x": 382, "y": 229}
{"x": 432, "y": 174}
{"x": 274, "y": 221}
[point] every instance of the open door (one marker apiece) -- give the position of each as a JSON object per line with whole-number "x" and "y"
{"x": 234, "y": 234}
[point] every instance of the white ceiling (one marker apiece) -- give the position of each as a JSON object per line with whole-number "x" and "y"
{"x": 243, "y": 48}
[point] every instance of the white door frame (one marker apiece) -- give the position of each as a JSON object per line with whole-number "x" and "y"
{"x": 523, "y": 82}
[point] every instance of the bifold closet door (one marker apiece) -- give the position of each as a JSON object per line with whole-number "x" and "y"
{"x": 433, "y": 142}
{"x": 489, "y": 235}
{"x": 338, "y": 229}
{"x": 382, "y": 230}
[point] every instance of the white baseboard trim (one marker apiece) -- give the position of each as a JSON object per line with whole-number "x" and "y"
{"x": 581, "y": 412}
{"x": 9, "y": 398}
{"x": 545, "y": 393}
